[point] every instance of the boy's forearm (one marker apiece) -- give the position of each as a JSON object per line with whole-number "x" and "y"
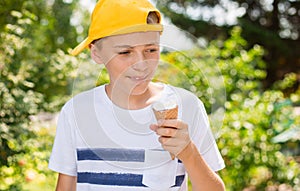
{"x": 201, "y": 176}
{"x": 65, "y": 182}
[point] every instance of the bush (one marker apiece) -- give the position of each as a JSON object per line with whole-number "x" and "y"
{"x": 227, "y": 76}
{"x": 246, "y": 142}
{"x": 21, "y": 96}
{"x": 18, "y": 101}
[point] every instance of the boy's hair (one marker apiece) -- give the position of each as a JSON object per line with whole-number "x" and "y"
{"x": 152, "y": 18}
{"x": 115, "y": 17}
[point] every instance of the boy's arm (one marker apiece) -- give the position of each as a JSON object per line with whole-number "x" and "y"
{"x": 174, "y": 137}
{"x": 66, "y": 182}
{"x": 201, "y": 176}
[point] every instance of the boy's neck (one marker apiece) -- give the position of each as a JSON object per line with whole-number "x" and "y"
{"x": 134, "y": 102}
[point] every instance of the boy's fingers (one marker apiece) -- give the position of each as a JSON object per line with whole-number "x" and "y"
{"x": 154, "y": 127}
{"x": 166, "y": 131}
{"x": 175, "y": 123}
{"x": 168, "y": 123}
{"x": 167, "y": 141}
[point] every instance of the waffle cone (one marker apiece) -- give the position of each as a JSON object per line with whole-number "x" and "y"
{"x": 166, "y": 114}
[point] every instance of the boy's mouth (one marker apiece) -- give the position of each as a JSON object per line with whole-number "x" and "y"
{"x": 138, "y": 78}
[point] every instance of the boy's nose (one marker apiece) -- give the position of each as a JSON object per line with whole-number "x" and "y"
{"x": 140, "y": 62}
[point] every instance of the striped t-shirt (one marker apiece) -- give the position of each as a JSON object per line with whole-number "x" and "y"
{"x": 110, "y": 148}
{"x": 119, "y": 169}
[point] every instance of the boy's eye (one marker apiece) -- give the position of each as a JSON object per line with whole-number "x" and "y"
{"x": 152, "y": 50}
{"x": 124, "y": 52}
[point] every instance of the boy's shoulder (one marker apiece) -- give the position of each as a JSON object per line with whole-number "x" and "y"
{"x": 184, "y": 94}
{"x": 187, "y": 99}
{"x": 82, "y": 99}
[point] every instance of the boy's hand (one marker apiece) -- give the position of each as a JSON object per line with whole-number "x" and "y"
{"x": 173, "y": 135}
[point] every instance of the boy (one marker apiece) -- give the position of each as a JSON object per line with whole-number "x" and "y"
{"x": 108, "y": 139}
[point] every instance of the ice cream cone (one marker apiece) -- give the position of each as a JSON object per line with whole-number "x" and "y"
{"x": 166, "y": 113}
{"x": 163, "y": 111}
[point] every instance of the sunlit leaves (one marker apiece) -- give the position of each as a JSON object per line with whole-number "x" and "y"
{"x": 31, "y": 79}
{"x": 253, "y": 116}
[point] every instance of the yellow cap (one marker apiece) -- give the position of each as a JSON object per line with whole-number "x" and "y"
{"x": 114, "y": 17}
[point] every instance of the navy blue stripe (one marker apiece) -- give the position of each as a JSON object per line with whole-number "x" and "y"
{"x": 179, "y": 180}
{"x": 111, "y": 154}
{"x": 114, "y": 179}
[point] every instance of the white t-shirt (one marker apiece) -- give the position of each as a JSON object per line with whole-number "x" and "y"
{"x": 110, "y": 148}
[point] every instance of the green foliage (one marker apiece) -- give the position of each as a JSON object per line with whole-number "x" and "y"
{"x": 271, "y": 24}
{"x": 29, "y": 170}
{"x": 18, "y": 99}
{"x": 41, "y": 40}
{"x": 289, "y": 86}
{"x": 252, "y": 116}
{"x": 32, "y": 79}
{"x": 288, "y": 82}
{"x": 219, "y": 70}
{"x": 246, "y": 141}
{"x": 242, "y": 68}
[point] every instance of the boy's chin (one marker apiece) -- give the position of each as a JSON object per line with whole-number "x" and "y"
{"x": 140, "y": 88}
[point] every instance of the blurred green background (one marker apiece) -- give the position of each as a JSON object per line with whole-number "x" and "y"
{"x": 245, "y": 68}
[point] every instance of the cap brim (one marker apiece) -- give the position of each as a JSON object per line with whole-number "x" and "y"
{"x": 80, "y": 47}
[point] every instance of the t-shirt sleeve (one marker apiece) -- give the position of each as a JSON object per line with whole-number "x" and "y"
{"x": 203, "y": 138}
{"x": 63, "y": 156}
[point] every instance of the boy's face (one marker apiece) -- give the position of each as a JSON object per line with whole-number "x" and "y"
{"x": 130, "y": 59}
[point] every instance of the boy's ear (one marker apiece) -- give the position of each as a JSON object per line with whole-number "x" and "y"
{"x": 95, "y": 54}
